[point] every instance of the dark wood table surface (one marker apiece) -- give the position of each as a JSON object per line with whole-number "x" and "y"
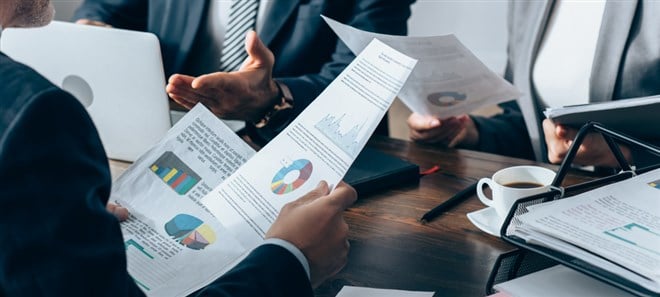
{"x": 391, "y": 249}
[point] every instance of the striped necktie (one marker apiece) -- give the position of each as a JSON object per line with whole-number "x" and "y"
{"x": 242, "y": 18}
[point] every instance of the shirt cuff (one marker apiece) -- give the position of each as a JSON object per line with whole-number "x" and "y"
{"x": 292, "y": 249}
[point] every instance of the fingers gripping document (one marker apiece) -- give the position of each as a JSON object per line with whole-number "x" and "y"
{"x": 201, "y": 199}
{"x": 448, "y": 80}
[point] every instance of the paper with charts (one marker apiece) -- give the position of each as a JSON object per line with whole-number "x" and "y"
{"x": 449, "y": 80}
{"x": 173, "y": 244}
{"x": 615, "y": 227}
{"x": 320, "y": 144}
{"x": 176, "y": 242}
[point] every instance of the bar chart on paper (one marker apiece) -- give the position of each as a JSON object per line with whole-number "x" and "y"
{"x": 175, "y": 173}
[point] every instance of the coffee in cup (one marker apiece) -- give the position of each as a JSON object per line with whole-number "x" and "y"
{"x": 512, "y": 183}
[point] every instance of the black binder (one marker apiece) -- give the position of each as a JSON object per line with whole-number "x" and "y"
{"x": 374, "y": 170}
{"x": 531, "y": 258}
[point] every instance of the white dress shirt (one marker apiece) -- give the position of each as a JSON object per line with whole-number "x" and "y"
{"x": 563, "y": 65}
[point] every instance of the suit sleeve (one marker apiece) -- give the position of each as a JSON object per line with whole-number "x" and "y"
{"x": 125, "y": 14}
{"x": 58, "y": 239}
{"x": 505, "y": 133}
{"x": 381, "y": 16}
{"x": 268, "y": 271}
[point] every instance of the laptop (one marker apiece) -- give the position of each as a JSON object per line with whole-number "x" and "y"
{"x": 116, "y": 74}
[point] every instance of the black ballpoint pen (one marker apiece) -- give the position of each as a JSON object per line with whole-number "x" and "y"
{"x": 449, "y": 203}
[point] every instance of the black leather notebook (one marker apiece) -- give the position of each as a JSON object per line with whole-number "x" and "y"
{"x": 374, "y": 170}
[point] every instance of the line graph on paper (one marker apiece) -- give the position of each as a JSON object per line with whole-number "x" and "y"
{"x": 348, "y": 132}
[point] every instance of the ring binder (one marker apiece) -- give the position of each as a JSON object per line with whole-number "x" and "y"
{"x": 529, "y": 257}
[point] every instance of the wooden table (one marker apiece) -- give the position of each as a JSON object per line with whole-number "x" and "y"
{"x": 391, "y": 249}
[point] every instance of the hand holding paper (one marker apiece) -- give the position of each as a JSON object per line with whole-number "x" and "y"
{"x": 314, "y": 223}
{"x": 448, "y": 80}
{"x": 593, "y": 150}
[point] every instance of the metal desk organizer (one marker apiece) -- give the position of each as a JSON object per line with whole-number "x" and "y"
{"x": 530, "y": 258}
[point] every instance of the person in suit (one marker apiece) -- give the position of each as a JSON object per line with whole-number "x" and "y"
{"x": 562, "y": 53}
{"x": 59, "y": 239}
{"x": 267, "y": 92}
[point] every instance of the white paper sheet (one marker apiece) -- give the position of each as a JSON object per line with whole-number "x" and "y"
{"x": 174, "y": 246}
{"x": 449, "y": 80}
{"x": 558, "y": 281}
{"x": 320, "y": 144}
{"x": 350, "y": 291}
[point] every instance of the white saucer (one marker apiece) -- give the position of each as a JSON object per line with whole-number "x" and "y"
{"x": 487, "y": 220}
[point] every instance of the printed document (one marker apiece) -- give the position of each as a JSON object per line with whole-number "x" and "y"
{"x": 194, "y": 213}
{"x": 320, "y": 144}
{"x": 173, "y": 244}
{"x": 449, "y": 80}
{"x": 615, "y": 227}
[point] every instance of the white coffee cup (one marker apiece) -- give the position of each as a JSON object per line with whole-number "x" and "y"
{"x": 512, "y": 183}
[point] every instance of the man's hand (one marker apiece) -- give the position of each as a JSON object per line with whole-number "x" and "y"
{"x": 121, "y": 213}
{"x": 593, "y": 150}
{"x": 246, "y": 94}
{"x": 450, "y": 132}
{"x": 92, "y": 23}
{"x": 314, "y": 223}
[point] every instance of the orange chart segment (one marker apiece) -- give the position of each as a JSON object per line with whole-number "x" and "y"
{"x": 302, "y": 166}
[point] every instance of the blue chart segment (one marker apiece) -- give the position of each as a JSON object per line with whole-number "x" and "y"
{"x": 176, "y": 174}
{"x": 302, "y": 166}
{"x": 349, "y": 141}
{"x": 637, "y": 235}
{"x": 190, "y": 231}
{"x": 655, "y": 184}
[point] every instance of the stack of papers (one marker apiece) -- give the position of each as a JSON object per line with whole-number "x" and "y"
{"x": 615, "y": 228}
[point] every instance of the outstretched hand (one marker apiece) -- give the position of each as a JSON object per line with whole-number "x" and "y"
{"x": 315, "y": 224}
{"x": 246, "y": 94}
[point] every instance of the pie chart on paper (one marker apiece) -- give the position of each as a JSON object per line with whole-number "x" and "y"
{"x": 190, "y": 231}
{"x": 292, "y": 177}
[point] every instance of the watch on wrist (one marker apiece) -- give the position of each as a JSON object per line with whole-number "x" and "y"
{"x": 279, "y": 111}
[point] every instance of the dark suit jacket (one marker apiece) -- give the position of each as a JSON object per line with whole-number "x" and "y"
{"x": 308, "y": 55}
{"x": 626, "y": 65}
{"x": 57, "y": 237}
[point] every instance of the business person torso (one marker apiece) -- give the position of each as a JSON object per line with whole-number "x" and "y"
{"x": 308, "y": 55}
{"x": 626, "y": 62}
{"x": 58, "y": 238}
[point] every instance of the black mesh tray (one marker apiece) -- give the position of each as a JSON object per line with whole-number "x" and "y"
{"x": 530, "y": 258}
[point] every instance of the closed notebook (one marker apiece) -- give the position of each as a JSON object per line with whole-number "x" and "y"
{"x": 636, "y": 116}
{"x": 374, "y": 170}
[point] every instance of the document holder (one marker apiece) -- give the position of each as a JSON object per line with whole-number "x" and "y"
{"x": 531, "y": 258}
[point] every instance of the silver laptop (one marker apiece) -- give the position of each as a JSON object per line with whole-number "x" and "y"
{"x": 117, "y": 74}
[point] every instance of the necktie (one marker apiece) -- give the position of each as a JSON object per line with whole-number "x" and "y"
{"x": 242, "y": 18}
